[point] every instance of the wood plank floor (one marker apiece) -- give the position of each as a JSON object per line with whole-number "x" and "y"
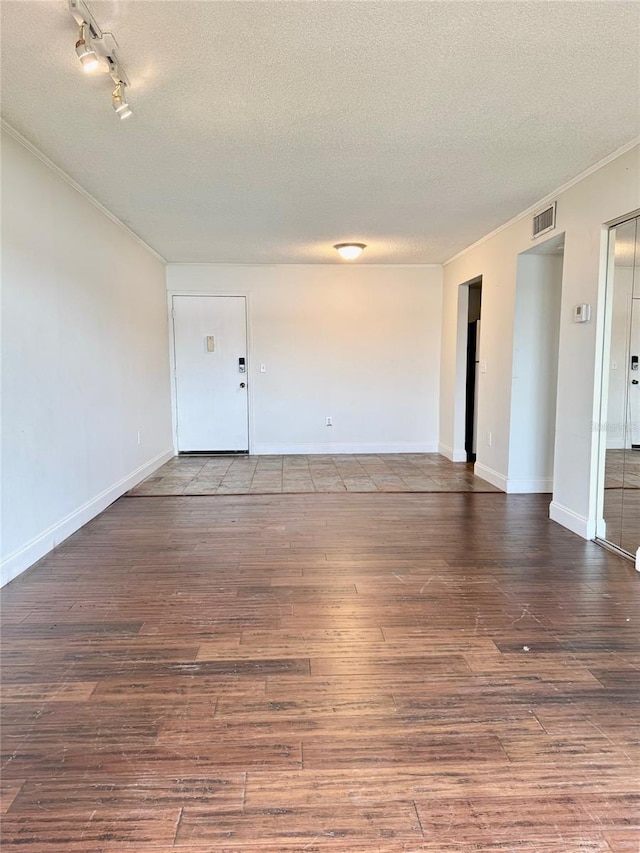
{"x": 320, "y": 673}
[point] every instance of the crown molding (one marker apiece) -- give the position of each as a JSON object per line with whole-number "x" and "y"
{"x": 345, "y": 264}
{"x": 76, "y": 186}
{"x": 549, "y": 197}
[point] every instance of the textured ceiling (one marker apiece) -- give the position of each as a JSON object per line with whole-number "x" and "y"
{"x": 267, "y": 131}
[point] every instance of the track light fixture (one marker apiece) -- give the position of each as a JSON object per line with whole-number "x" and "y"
{"x": 120, "y": 105}
{"x": 86, "y": 53}
{"x": 98, "y": 50}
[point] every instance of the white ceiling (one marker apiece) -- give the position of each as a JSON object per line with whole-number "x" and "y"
{"x": 267, "y": 131}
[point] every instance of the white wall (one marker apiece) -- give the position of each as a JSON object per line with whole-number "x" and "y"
{"x": 535, "y": 373}
{"x": 583, "y": 208}
{"x": 359, "y": 343}
{"x": 84, "y": 359}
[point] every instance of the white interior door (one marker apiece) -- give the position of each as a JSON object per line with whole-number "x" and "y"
{"x": 210, "y": 340}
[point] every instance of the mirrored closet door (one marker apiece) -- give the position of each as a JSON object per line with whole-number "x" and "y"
{"x": 620, "y": 416}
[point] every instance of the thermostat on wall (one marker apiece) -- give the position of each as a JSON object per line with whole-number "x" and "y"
{"x": 582, "y": 313}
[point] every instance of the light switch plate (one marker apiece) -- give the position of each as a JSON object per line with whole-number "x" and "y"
{"x": 211, "y": 343}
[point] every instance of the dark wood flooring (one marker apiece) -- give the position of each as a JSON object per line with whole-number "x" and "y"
{"x": 318, "y": 673}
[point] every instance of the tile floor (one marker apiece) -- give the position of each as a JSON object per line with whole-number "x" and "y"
{"x": 239, "y": 475}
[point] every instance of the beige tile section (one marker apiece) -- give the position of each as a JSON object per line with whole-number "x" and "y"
{"x": 273, "y": 475}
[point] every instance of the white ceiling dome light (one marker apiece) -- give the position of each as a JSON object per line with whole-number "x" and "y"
{"x": 350, "y": 251}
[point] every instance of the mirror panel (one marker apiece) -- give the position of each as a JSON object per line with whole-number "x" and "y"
{"x": 631, "y": 492}
{"x": 619, "y": 508}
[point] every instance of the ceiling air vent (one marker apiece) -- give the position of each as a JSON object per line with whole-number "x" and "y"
{"x": 544, "y": 221}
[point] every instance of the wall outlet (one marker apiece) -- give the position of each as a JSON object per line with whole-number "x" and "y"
{"x": 139, "y": 438}
{"x": 489, "y": 439}
{"x": 328, "y": 421}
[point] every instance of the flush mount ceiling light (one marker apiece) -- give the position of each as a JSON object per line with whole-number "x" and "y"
{"x": 86, "y": 53}
{"x": 97, "y": 50}
{"x": 118, "y": 100}
{"x": 350, "y": 251}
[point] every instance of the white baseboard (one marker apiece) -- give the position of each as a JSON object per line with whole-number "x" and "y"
{"x": 491, "y": 476}
{"x": 330, "y": 447}
{"x": 452, "y": 454}
{"x": 530, "y": 486}
{"x": 579, "y": 524}
{"x": 16, "y": 562}
{"x": 638, "y": 560}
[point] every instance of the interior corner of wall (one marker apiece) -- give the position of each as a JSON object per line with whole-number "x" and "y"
{"x": 25, "y": 556}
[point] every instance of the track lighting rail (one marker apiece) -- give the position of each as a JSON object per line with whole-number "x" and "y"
{"x": 98, "y": 49}
{"x": 82, "y": 16}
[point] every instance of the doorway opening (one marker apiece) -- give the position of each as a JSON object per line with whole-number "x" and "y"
{"x": 534, "y": 384}
{"x": 473, "y": 369}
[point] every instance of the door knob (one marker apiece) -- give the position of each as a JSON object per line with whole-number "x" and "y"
{"x": 635, "y": 381}
{"x": 243, "y": 385}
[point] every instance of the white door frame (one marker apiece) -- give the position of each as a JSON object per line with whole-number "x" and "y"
{"x": 172, "y": 358}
